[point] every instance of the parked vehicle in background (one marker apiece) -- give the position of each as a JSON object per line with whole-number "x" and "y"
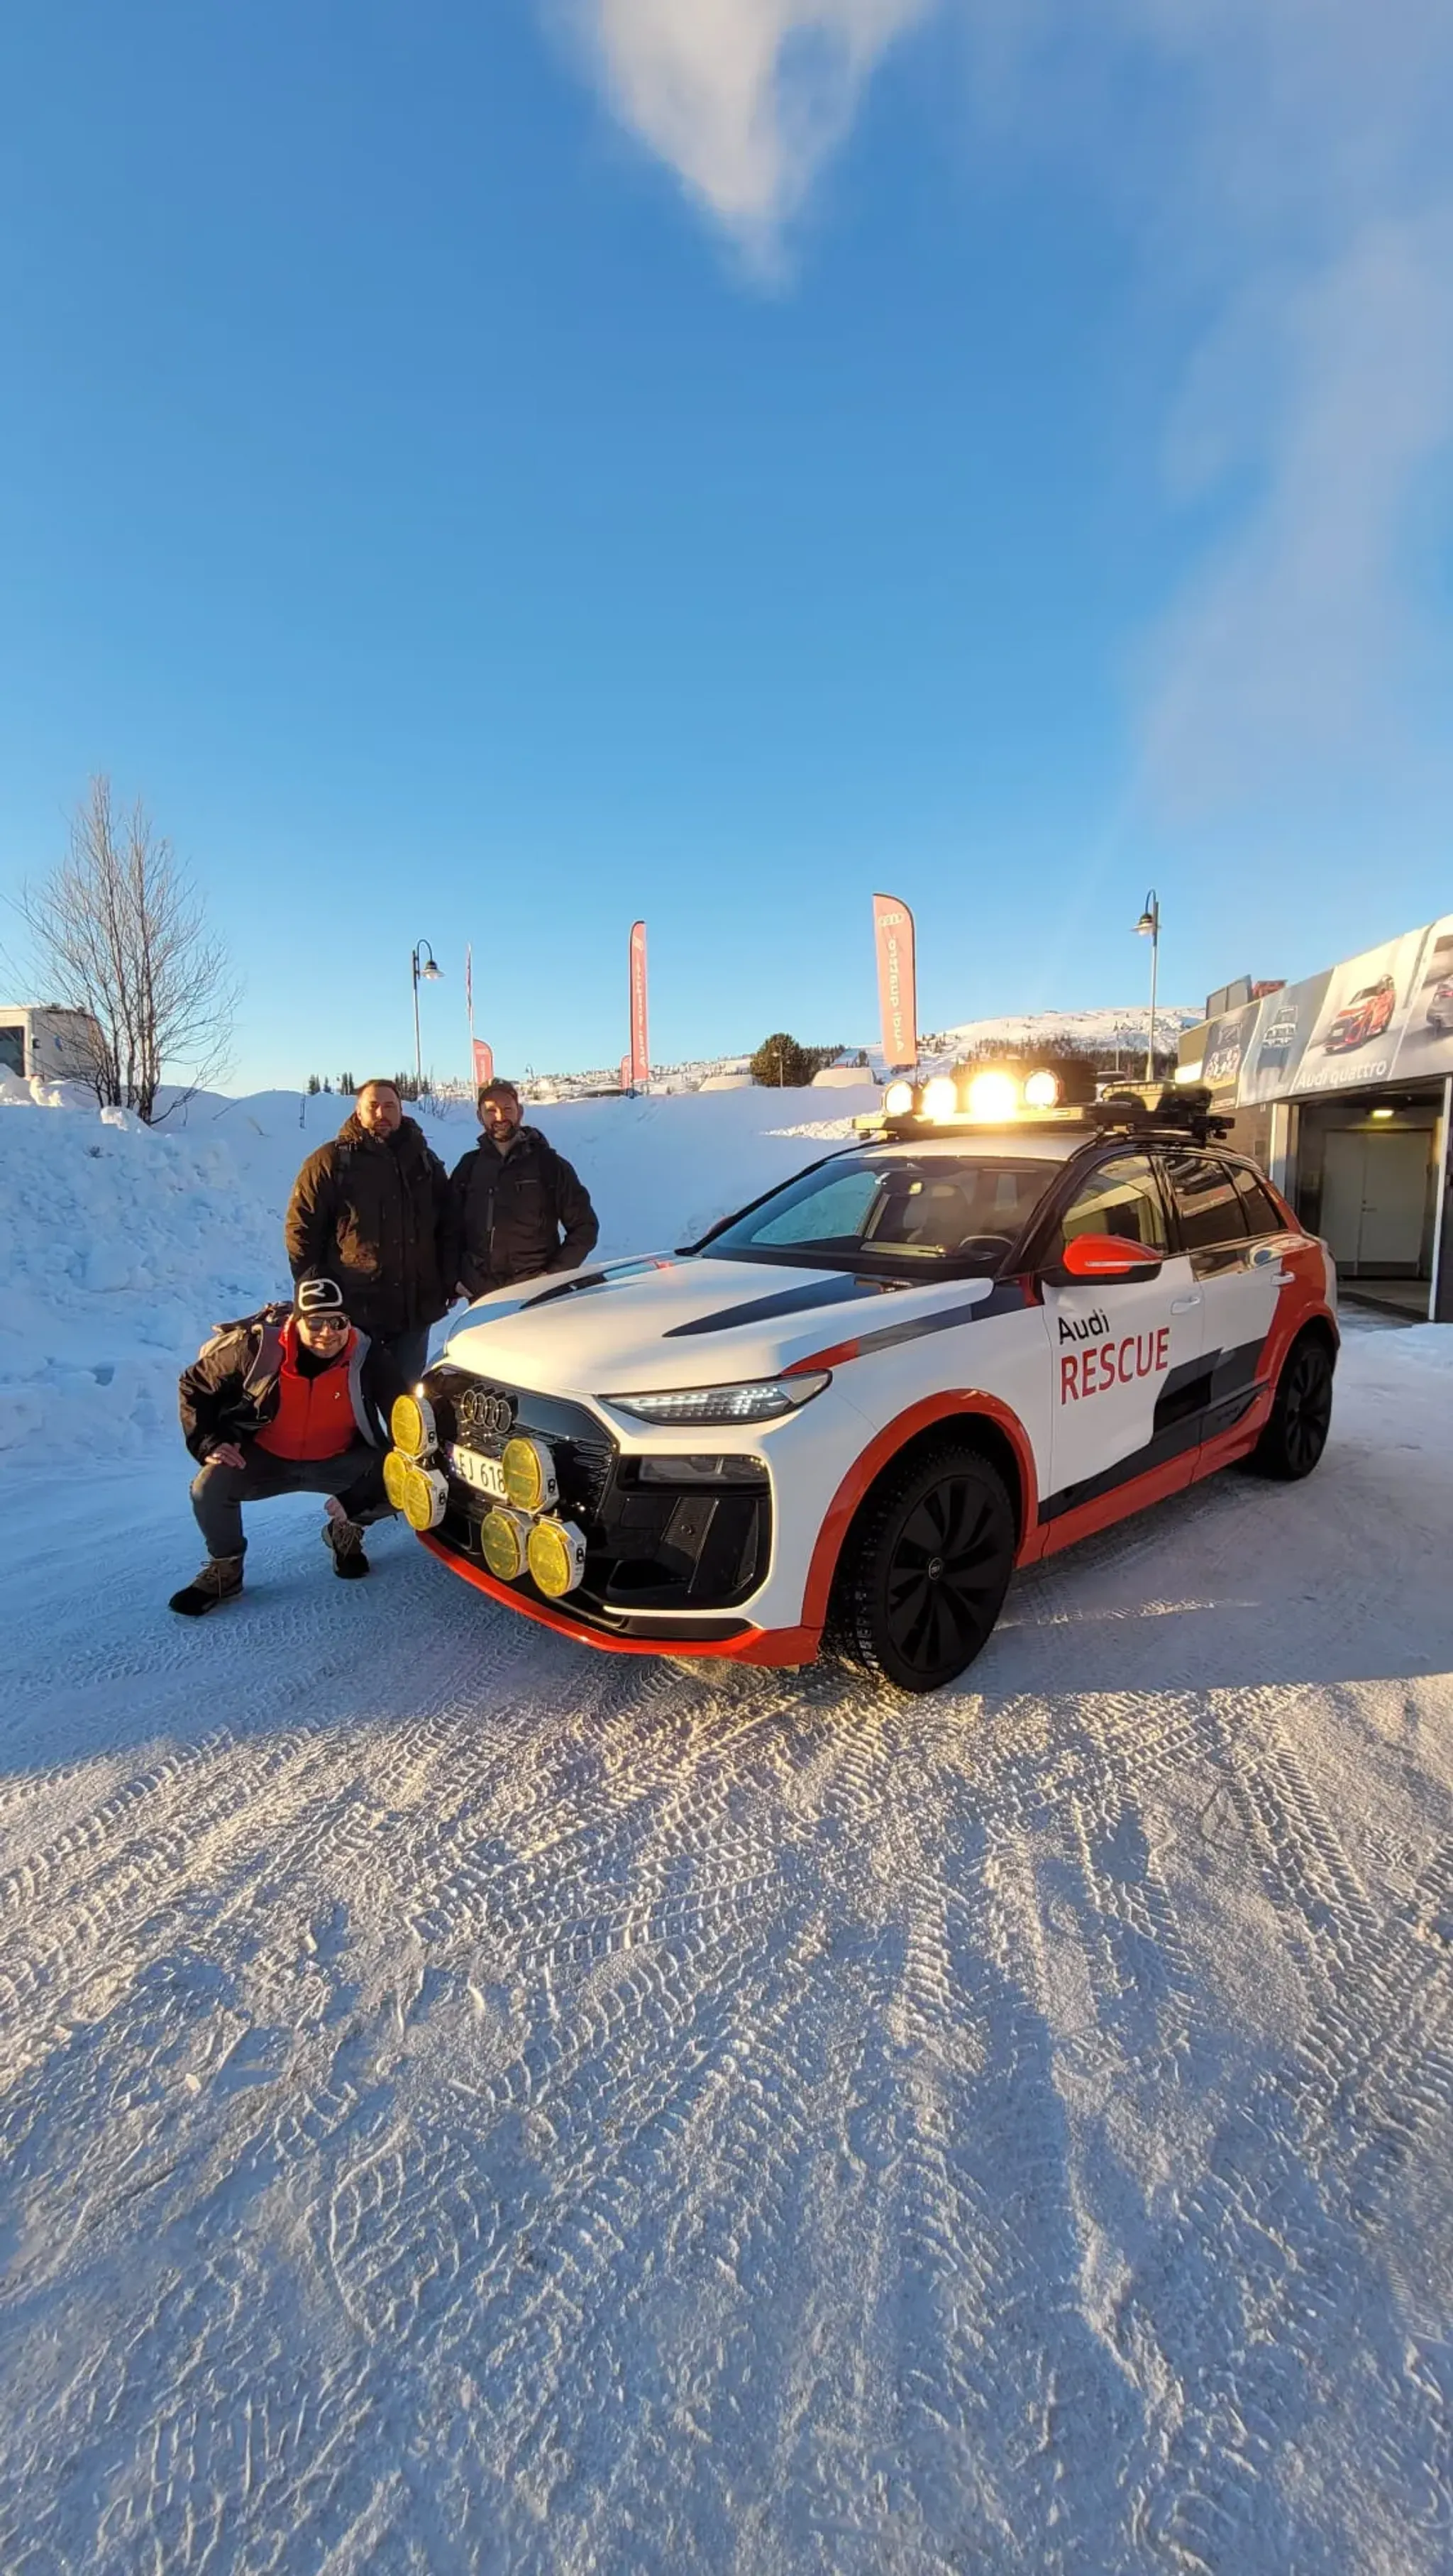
{"x": 46, "y": 1041}
{"x": 1364, "y": 1017}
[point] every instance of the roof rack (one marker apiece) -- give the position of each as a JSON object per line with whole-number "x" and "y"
{"x": 1173, "y": 1113}
{"x": 1168, "y": 1108}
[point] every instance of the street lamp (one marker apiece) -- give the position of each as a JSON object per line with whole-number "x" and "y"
{"x": 431, "y": 974}
{"x": 1148, "y": 927}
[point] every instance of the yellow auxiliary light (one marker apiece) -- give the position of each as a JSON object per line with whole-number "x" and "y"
{"x": 412, "y": 1425}
{"x": 529, "y": 1475}
{"x": 1041, "y": 1091}
{"x": 556, "y": 1554}
{"x": 993, "y": 1095}
{"x": 420, "y": 1493}
{"x": 504, "y": 1537}
{"x": 940, "y": 1099}
{"x": 898, "y": 1099}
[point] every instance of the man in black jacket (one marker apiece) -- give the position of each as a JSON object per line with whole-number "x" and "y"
{"x": 519, "y": 1209}
{"x": 285, "y": 1404}
{"x": 372, "y": 1210}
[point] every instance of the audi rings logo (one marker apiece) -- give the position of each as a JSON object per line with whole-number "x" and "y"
{"x": 486, "y": 1410}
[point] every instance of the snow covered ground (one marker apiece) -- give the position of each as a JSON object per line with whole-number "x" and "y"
{"x": 469, "y": 2103}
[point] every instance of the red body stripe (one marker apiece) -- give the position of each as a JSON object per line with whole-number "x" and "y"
{"x": 837, "y": 1357}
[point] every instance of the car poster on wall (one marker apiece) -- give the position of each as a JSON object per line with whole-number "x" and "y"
{"x": 1358, "y": 1030}
{"x": 1275, "y": 1047}
{"x": 1352, "y": 1027}
{"x": 1427, "y": 1040}
{"x": 1226, "y": 1040}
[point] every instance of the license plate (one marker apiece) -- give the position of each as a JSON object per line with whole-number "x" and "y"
{"x": 486, "y": 1475}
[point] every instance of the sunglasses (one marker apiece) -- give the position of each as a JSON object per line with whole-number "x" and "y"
{"x": 324, "y": 1323}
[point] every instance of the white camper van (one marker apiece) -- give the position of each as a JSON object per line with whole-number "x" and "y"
{"x": 42, "y": 1039}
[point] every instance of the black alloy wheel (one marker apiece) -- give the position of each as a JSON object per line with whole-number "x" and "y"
{"x": 925, "y": 1572}
{"x": 1301, "y": 1414}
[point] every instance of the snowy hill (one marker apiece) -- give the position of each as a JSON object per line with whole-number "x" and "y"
{"x": 1108, "y": 1028}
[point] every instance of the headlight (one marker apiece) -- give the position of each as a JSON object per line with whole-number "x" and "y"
{"x": 1041, "y": 1091}
{"x": 940, "y": 1099}
{"x": 760, "y": 1400}
{"x": 898, "y": 1099}
{"x": 993, "y": 1095}
{"x": 412, "y": 1425}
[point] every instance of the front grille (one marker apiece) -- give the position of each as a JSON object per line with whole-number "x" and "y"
{"x": 656, "y": 1547}
{"x": 484, "y": 1414}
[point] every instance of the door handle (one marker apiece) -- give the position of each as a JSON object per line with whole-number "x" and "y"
{"x": 1183, "y": 1305}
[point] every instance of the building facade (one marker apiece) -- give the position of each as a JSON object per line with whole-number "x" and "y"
{"x": 45, "y": 1042}
{"x": 1342, "y": 1086}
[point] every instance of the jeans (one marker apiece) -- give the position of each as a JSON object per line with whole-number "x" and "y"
{"x": 218, "y": 1492}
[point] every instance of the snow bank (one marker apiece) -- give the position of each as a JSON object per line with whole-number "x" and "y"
{"x": 122, "y": 1245}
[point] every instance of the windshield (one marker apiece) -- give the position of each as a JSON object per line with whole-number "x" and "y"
{"x": 902, "y": 1214}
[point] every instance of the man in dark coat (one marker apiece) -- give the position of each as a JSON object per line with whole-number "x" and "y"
{"x": 372, "y": 1210}
{"x": 285, "y": 1404}
{"x": 519, "y": 1209}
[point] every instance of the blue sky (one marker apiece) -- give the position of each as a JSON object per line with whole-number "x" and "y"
{"x": 485, "y": 472}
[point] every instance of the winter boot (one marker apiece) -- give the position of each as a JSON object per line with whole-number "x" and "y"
{"x": 220, "y": 1580}
{"x": 345, "y": 1538}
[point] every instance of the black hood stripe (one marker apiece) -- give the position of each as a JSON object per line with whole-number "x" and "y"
{"x": 1006, "y": 1297}
{"x": 835, "y": 1290}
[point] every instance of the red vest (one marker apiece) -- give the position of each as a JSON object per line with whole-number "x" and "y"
{"x": 314, "y": 1417}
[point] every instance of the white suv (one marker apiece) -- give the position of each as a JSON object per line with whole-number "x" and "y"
{"x": 851, "y": 1411}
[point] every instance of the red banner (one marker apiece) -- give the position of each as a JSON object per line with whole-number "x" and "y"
{"x": 483, "y": 1063}
{"x": 897, "y": 980}
{"x": 640, "y": 1035}
{"x": 625, "y": 1073}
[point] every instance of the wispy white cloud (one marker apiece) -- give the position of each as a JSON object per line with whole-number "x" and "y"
{"x": 744, "y": 99}
{"x": 1311, "y": 203}
{"x": 1284, "y": 168}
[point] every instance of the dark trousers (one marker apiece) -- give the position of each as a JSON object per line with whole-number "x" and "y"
{"x": 218, "y": 1493}
{"x": 408, "y": 1351}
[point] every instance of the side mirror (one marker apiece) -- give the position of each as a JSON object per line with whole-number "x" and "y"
{"x": 1096, "y": 1258}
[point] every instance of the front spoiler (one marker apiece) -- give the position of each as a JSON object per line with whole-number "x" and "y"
{"x": 772, "y": 1646}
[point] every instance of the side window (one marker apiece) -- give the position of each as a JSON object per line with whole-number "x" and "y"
{"x": 1122, "y": 1198}
{"x": 1206, "y": 1203}
{"x": 1259, "y": 1208}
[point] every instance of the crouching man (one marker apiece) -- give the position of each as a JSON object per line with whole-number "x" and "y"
{"x": 285, "y": 1404}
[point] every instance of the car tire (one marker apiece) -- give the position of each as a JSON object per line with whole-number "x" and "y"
{"x": 1301, "y": 1414}
{"x": 925, "y": 1570}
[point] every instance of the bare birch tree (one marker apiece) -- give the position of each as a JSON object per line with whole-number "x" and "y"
{"x": 119, "y": 931}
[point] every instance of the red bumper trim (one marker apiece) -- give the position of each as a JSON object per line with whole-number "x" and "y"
{"x": 758, "y": 1646}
